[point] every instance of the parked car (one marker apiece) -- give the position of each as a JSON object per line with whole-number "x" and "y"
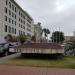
{"x": 4, "y": 48}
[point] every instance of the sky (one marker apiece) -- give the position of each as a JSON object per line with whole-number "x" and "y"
{"x": 56, "y": 15}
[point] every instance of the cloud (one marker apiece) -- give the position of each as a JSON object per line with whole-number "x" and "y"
{"x": 53, "y": 14}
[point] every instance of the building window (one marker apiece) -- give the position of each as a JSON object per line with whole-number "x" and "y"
{"x": 12, "y": 21}
{"x": 5, "y": 28}
{"x": 6, "y": 2}
{"x": 15, "y": 31}
{"x": 12, "y": 14}
{"x": 9, "y": 29}
{"x": 29, "y": 25}
{"x": 29, "y": 21}
{"x": 24, "y": 17}
{"x": 15, "y": 9}
{"x": 23, "y": 27}
{"x": 12, "y": 7}
{"x": 21, "y": 14}
{"x": 5, "y": 18}
{"x": 15, "y": 22}
{"x": 9, "y": 12}
{"x": 9, "y": 20}
{"x": 12, "y": 30}
{"x": 19, "y": 32}
{"x": 9, "y": 5}
{"x": 19, "y": 19}
{"x": 23, "y": 33}
{"x": 19, "y": 25}
{"x": 5, "y": 10}
{"x": 15, "y": 16}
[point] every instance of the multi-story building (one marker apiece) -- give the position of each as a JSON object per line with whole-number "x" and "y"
{"x": 74, "y": 33}
{"x": 38, "y": 32}
{"x": 14, "y": 20}
{"x": 69, "y": 38}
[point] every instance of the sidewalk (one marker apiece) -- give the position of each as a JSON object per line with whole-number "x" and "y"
{"x": 18, "y": 70}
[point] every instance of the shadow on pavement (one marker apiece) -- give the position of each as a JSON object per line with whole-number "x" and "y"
{"x": 42, "y": 56}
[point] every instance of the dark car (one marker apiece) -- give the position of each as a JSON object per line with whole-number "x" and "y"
{"x": 4, "y": 49}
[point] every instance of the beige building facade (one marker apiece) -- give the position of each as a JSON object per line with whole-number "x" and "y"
{"x": 14, "y": 20}
{"x": 69, "y": 38}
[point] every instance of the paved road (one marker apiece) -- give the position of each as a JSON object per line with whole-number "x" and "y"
{"x": 18, "y": 70}
{"x": 3, "y": 59}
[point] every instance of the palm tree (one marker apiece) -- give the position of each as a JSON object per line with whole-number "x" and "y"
{"x": 46, "y": 32}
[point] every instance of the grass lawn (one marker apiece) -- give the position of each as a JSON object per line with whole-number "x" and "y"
{"x": 65, "y": 62}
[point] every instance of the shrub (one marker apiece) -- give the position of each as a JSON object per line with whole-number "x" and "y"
{"x": 22, "y": 38}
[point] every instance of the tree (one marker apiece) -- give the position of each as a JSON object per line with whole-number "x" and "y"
{"x": 8, "y": 38}
{"x": 46, "y": 32}
{"x": 22, "y": 38}
{"x": 14, "y": 39}
{"x": 57, "y": 37}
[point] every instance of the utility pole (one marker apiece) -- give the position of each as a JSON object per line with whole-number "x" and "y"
{"x": 59, "y": 34}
